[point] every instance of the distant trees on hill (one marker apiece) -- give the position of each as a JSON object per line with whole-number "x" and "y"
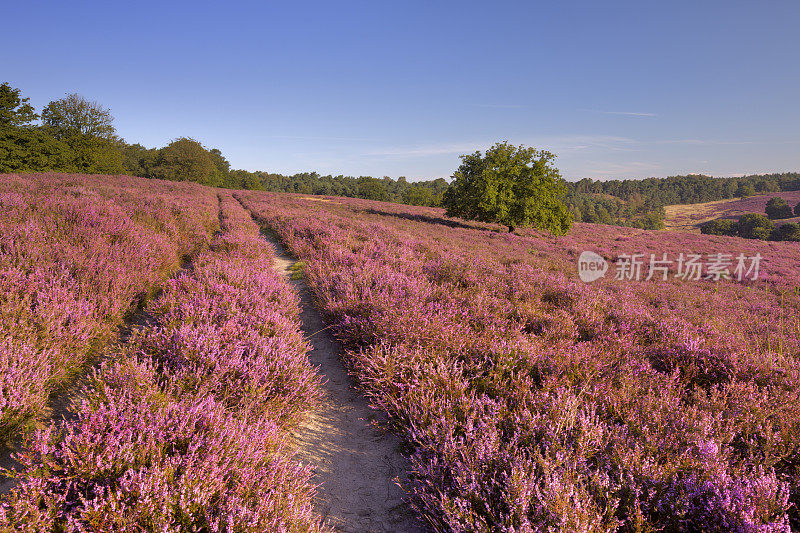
{"x": 753, "y": 226}
{"x": 640, "y": 203}
{"x": 78, "y": 135}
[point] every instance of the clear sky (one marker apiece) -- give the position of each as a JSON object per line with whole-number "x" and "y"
{"x": 614, "y": 89}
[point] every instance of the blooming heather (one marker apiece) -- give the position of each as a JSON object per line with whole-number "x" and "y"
{"x": 186, "y": 430}
{"x": 76, "y": 253}
{"x": 535, "y": 402}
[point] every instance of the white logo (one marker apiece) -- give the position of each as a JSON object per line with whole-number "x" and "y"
{"x": 591, "y": 266}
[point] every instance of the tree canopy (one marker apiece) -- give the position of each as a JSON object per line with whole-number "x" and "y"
{"x": 75, "y": 115}
{"x": 185, "y": 159}
{"x": 15, "y": 110}
{"x": 512, "y": 186}
{"x": 777, "y": 208}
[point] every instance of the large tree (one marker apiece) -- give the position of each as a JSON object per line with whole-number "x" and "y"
{"x": 185, "y": 159}
{"x": 75, "y": 115}
{"x": 15, "y": 111}
{"x": 512, "y": 186}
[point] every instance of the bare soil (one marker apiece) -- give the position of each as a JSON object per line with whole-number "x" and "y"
{"x": 357, "y": 465}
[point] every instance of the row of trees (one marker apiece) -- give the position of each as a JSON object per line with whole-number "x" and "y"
{"x": 753, "y": 226}
{"x": 690, "y": 189}
{"x": 427, "y": 193}
{"x": 78, "y": 135}
{"x": 640, "y": 203}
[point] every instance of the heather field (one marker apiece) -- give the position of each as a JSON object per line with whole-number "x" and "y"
{"x": 76, "y": 254}
{"x": 527, "y": 399}
{"x": 689, "y": 217}
{"x": 186, "y": 428}
{"x": 535, "y": 402}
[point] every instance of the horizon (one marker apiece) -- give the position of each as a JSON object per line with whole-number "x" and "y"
{"x": 627, "y": 91}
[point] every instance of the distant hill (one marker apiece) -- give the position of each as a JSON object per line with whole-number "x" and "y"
{"x": 689, "y": 217}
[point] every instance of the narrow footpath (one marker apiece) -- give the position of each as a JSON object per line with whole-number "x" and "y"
{"x": 357, "y": 465}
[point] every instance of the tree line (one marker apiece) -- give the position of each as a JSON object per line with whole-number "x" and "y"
{"x": 758, "y": 226}
{"x": 640, "y": 203}
{"x": 74, "y": 134}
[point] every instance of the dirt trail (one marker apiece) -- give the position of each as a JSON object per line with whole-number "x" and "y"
{"x": 356, "y": 465}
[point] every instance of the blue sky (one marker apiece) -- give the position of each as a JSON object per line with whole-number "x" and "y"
{"x": 614, "y": 89}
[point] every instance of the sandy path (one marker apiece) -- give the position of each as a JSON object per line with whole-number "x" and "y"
{"x": 356, "y": 465}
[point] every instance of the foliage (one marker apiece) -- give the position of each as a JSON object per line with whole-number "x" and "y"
{"x": 15, "y": 110}
{"x": 778, "y": 208}
{"x": 185, "y": 159}
{"x": 722, "y": 226}
{"x": 34, "y": 150}
{"x": 138, "y": 160}
{"x": 372, "y": 189}
{"x": 509, "y": 185}
{"x": 418, "y": 196}
{"x": 745, "y": 190}
{"x": 74, "y": 115}
{"x": 754, "y": 226}
{"x": 786, "y": 232}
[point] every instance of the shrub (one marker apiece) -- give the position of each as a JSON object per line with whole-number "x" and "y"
{"x": 777, "y": 208}
{"x": 722, "y": 226}
{"x": 787, "y": 232}
{"x": 755, "y": 226}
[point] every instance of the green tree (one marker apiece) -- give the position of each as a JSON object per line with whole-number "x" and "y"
{"x": 33, "y": 150}
{"x": 185, "y": 159}
{"x": 75, "y": 115}
{"x": 418, "y": 196}
{"x": 372, "y": 189}
{"x": 745, "y": 190}
{"x": 221, "y": 165}
{"x": 138, "y": 160}
{"x": 787, "y": 232}
{"x": 721, "y": 226}
{"x": 96, "y": 155}
{"x": 512, "y": 186}
{"x": 755, "y": 226}
{"x": 797, "y": 210}
{"x": 15, "y": 111}
{"x": 777, "y": 208}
